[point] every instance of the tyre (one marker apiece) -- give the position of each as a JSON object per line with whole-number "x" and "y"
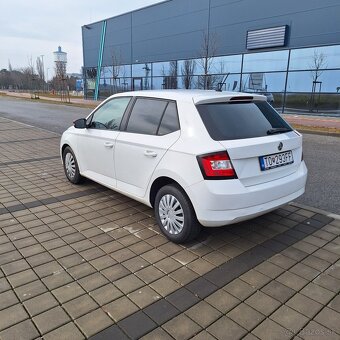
{"x": 175, "y": 214}
{"x": 71, "y": 166}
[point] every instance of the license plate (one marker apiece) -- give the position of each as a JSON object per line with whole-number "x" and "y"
{"x": 276, "y": 160}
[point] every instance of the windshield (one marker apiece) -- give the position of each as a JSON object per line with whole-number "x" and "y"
{"x": 227, "y": 121}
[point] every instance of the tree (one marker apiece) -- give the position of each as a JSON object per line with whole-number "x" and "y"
{"x": 116, "y": 59}
{"x": 40, "y": 69}
{"x": 188, "y": 71}
{"x": 208, "y": 49}
{"x": 318, "y": 64}
{"x": 170, "y": 77}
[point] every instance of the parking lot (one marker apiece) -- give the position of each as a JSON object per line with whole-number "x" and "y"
{"x": 83, "y": 261}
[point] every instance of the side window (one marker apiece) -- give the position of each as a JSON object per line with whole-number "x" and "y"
{"x": 146, "y": 116}
{"x": 109, "y": 116}
{"x": 169, "y": 121}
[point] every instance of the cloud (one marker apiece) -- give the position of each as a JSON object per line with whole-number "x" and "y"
{"x": 38, "y": 27}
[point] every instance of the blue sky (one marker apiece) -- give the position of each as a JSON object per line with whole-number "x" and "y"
{"x": 29, "y": 29}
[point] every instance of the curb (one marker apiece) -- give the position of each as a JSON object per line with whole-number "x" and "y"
{"x": 322, "y": 133}
{"x": 316, "y": 210}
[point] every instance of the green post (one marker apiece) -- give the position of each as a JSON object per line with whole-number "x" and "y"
{"x": 100, "y": 59}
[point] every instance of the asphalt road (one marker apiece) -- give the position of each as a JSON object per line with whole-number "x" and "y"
{"x": 52, "y": 117}
{"x": 321, "y": 153}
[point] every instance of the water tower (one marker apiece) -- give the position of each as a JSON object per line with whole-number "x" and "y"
{"x": 60, "y": 60}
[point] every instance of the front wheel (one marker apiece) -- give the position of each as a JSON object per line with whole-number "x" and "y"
{"x": 175, "y": 215}
{"x": 71, "y": 166}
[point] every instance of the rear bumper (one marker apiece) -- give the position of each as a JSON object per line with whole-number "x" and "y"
{"x": 219, "y": 203}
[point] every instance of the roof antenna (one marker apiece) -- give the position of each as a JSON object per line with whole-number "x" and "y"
{"x": 220, "y": 84}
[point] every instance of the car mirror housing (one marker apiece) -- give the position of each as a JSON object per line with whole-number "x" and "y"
{"x": 80, "y": 123}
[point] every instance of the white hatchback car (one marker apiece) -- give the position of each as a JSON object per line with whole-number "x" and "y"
{"x": 198, "y": 157}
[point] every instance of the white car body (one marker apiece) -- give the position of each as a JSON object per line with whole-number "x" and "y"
{"x": 132, "y": 163}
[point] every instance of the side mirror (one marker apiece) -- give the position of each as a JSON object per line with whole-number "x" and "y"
{"x": 80, "y": 123}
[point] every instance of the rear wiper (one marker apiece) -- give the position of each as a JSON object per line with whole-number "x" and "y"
{"x": 278, "y": 130}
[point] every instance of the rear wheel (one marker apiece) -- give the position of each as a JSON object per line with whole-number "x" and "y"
{"x": 175, "y": 214}
{"x": 71, "y": 166}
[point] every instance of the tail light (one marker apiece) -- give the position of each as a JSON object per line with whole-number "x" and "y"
{"x": 216, "y": 166}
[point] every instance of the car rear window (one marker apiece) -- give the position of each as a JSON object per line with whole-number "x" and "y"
{"x": 239, "y": 120}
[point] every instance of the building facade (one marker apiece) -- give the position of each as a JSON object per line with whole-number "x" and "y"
{"x": 288, "y": 50}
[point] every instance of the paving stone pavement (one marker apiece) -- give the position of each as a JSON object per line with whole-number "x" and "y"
{"x": 85, "y": 262}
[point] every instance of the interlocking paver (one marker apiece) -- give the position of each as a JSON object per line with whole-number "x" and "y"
{"x": 239, "y": 289}
{"x": 144, "y": 296}
{"x": 23, "y": 277}
{"x": 94, "y": 256}
{"x": 292, "y": 280}
{"x": 40, "y": 303}
{"x": 68, "y": 292}
{"x": 165, "y": 285}
{"x": 68, "y": 331}
{"x": 24, "y": 331}
{"x": 203, "y": 314}
{"x": 182, "y": 327}
{"x": 225, "y": 329}
{"x": 51, "y": 319}
{"x": 93, "y": 322}
{"x": 149, "y": 274}
{"x": 255, "y": 278}
{"x": 158, "y": 333}
{"x": 30, "y": 290}
{"x": 80, "y": 306}
{"x": 330, "y": 319}
{"x": 137, "y": 325}
{"x": 335, "y": 303}
{"x": 317, "y": 293}
{"x": 222, "y": 301}
{"x": 7, "y": 299}
{"x": 289, "y": 319}
{"x": 246, "y": 316}
{"x": 12, "y": 315}
{"x": 304, "y": 305}
{"x": 269, "y": 329}
{"x": 129, "y": 283}
{"x": 263, "y": 303}
{"x": 120, "y": 308}
{"x": 317, "y": 332}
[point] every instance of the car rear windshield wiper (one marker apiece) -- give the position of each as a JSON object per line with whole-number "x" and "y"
{"x": 278, "y": 130}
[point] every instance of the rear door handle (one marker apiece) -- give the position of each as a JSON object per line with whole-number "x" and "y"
{"x": 149, "y": 153}
{"x": 108, "y": 145}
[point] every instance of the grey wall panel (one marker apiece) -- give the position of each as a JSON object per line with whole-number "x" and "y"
{"x": 166, "y": 33}
{"x": 308, "y": 21}
{"x": 118, "y": 40}
{"x": 173, "y": 29}
{"x": 91, "y": 41}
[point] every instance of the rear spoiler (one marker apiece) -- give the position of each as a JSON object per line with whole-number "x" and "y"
{"x": 229, "y": 99}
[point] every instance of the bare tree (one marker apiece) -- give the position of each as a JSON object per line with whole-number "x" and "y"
{"x": 188, "y": 70}
{"x": 208, "y": 50}
{"x": 170, "y": 77}
{"x": 116, "y": 59}
{"x": 318, "y": 64}
{"x": 40, "y": 69}
{"x": 316, "y": 69}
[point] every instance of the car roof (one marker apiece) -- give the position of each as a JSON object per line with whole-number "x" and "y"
{"x": 196, "y": 96}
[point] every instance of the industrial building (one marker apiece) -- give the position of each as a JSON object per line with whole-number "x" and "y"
{"x": 288, "y": 50}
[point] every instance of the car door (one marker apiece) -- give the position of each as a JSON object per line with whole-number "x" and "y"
{"x": 151, "y": 129}
{"x": 96, "y": 143}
